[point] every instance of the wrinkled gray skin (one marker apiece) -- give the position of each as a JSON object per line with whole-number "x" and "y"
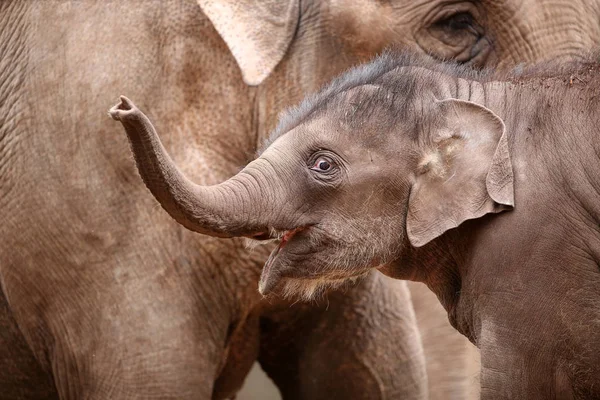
{"x": 102, "y": 294}
{"x": 485, "y": 188}
{"x": 100, "y": 291}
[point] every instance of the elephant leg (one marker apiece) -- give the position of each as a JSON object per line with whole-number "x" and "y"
{"x": 170, "y": 359}
{"x": 359, "y": 344}
{"x": 118, "y": 333}
{"x": 444, "y": 346}
{"x": 241, "y": 353}
{"x": 167, "y": 357}
{"x": 22, "y": 376}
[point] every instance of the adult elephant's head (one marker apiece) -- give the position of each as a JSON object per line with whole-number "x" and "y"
{"x": 343, "y": 32}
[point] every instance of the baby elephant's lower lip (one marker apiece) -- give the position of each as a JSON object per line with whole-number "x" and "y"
{"x": 270, "y": 278}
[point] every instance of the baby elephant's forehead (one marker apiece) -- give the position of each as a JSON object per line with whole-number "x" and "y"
{"x": 336, "y": 129}
{"x": 358, "y": 97}
{"x": 319, "y": 128}
{"x": 321, "y": 131}
{"x": 366, "y": 110}
{"x": 367, "y": 103}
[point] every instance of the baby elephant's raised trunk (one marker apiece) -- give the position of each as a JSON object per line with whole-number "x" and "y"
{"x": 223, "y": 210}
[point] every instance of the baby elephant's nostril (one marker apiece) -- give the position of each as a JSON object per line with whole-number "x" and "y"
{"x": 125, "y": 109}
{"x": 125, "y": 104}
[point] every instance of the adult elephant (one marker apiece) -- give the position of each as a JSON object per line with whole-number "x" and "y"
{"x": 103, "y": 296}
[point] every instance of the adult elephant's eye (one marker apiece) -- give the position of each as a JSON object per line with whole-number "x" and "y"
{"x": 458, "y": 22}
{"x": 454, "y": 33}
{"x": 322, "y": 164}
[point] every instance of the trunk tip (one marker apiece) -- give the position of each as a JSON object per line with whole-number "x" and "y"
{"x": 123, "y": 109}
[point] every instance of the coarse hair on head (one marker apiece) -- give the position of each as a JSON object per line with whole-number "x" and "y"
{"x": 371, "y": 73}
{"x": 395, "y": 89}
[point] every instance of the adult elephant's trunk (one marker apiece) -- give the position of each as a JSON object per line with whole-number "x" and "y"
{"x": 223, "y": 210}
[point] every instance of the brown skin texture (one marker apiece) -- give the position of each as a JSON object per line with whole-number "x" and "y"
{"x": 103, "y": 295}
{"x": 485, "y": 32}
{"x": 87, "y": 258}
{"x": 311, "y": 377}
{"x": 482, "y": 187}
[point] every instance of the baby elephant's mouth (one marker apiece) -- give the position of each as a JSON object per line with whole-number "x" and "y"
{"x": 261, "y": 236}
{"x": 277, "y": 234}
{"x": 285, "y": 237}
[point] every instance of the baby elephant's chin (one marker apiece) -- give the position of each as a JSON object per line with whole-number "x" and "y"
{"x": 301, "y": 265}
{"x": 299, "y": 275}
{"x": 311, "y": 289}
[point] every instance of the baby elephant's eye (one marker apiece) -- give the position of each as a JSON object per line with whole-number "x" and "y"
{"x": 322, "y": 164}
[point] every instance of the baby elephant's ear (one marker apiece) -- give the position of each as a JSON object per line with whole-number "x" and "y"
{"x": 257, "y": 32}
{"x": 464, "y": 173}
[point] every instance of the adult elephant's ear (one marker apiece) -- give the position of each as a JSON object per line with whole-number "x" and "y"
{"x": 464, "y": 173}
{"x": 257, "y": 32}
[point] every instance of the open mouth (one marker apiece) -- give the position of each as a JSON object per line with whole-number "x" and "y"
{"x": 285, "y": 237}
{"x": 261, "y": 236}
{"x": 276, "y": 234}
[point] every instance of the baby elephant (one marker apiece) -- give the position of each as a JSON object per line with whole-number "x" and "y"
{"x": 486, "y": 188}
